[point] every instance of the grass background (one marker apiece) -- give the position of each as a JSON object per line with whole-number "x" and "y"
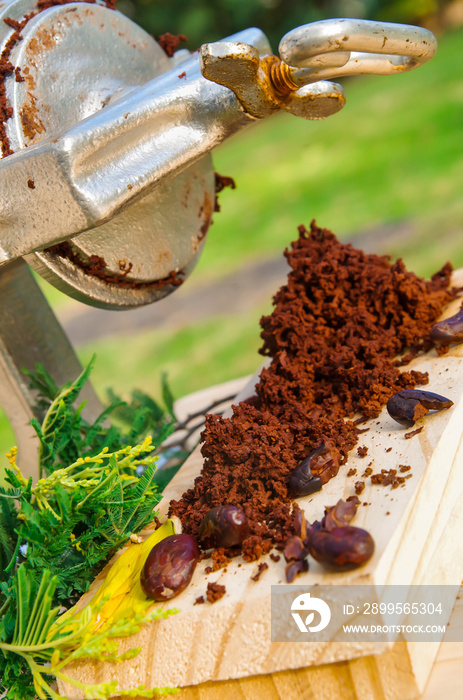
{"x": 391, "y": 159}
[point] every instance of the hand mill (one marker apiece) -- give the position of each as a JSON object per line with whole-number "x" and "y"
{"x": 106, "y": 179}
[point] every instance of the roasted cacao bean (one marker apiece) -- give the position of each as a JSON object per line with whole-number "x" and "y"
{"x": 407, "y": 406}
{"x": 314, "y": 471}
{"x": 169, "y": 567}
{"x": 223, "y": 526}
{"x": 342, "y": 548}
{"x": 450, "y": 330}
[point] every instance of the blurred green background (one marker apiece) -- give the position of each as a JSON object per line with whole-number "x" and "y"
{"x": 387, "y": 169}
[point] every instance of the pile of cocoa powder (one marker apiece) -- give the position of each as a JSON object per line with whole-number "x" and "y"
{"x": 334, "y": 335}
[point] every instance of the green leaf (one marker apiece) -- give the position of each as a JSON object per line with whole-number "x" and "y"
{"x": 167, "y": 395}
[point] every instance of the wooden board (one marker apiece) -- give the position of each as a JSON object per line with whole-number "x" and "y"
{"x": 414, "y": 530}
{"x": 369, "y": 678}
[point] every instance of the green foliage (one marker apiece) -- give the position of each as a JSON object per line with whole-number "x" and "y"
{"x": 95, "y": 490}
{"x": 73, "y": 520}
{"x": 65, "y": 434}
{"x": 8, "y": 525}
{"x": 409, "y": 10}
{"x": 143, "y": 415}
{"x": 43, "y": 644}
{"x": 211, "y": 20}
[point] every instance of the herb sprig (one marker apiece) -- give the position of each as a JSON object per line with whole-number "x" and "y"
{"x": 65, "y": 434}
{"x": 46, "y": 645}
{"x": 72, "y": 521}
{"x": 96, "y": 489}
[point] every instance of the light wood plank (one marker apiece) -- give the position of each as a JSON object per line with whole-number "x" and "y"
{"x": 207, "y": 646}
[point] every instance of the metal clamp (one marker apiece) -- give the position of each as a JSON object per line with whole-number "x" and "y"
{"x": 311, "y": 55}
{"x": 336, "y": 48}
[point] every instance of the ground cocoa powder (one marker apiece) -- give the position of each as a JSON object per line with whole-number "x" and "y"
{"x": 333, "y": 336}
{"x": 221, "y": 182}
{"x": 169, "y": 42}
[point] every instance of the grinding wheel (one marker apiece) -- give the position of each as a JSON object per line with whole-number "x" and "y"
{"x": 74, "y": 60}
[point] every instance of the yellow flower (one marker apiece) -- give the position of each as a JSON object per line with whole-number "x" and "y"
{"x": 121, "y": 594}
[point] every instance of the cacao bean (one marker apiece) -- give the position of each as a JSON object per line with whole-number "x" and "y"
{"x": 342, "y": 548}
{"x": 314, "y": 471}
{"x": 407, "y": 406}
{"x": 450, "y": 330}
{"x": 169, "y": 567}
{"x": 223, "y": 526}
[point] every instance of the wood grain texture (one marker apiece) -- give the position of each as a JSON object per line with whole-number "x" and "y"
{"x": 414, "y": 530}
{"x": 386, "y": 677}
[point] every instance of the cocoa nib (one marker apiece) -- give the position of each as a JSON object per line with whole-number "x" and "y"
{"x": 407, "y": 406}
{"x": 389, "y": 477}
{"x": 417, "y": 431}
{"x": 294, "y": 549}
{"x": 169, "y": 42}
{"x": 450, "y": 330}
{"x": 340, "y": 514}
{"x": 223, "y": 181}
{"x": 260, "y": 570}
{"x": 295, "y": 552}
{"x": 314, "y": 471}
{"x": 214, "y": 591}
{"x": 294, "y": 568}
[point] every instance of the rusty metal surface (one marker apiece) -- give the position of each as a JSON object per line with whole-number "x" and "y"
{"x": 74, "y": 59}
{"x": 311, "y": 55}
{"x": 113, "y": 170}
{"x": 239, "y": 67}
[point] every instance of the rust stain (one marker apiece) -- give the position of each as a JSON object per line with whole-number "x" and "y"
{"x": 28, "y": 78}
{"x": 6, "y": 67}
{"x": 195, "y": 241}
{"x": 30, "y": 120}
{"x": 96, "y": 266}
{"x": 43, "y": 40}
{"x": 186, "y": 195}
{"x": 164, "y": 257}
{"x": 205, "y": 214}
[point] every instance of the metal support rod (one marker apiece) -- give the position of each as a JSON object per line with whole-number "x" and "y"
{"x": 30, "y": 333}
